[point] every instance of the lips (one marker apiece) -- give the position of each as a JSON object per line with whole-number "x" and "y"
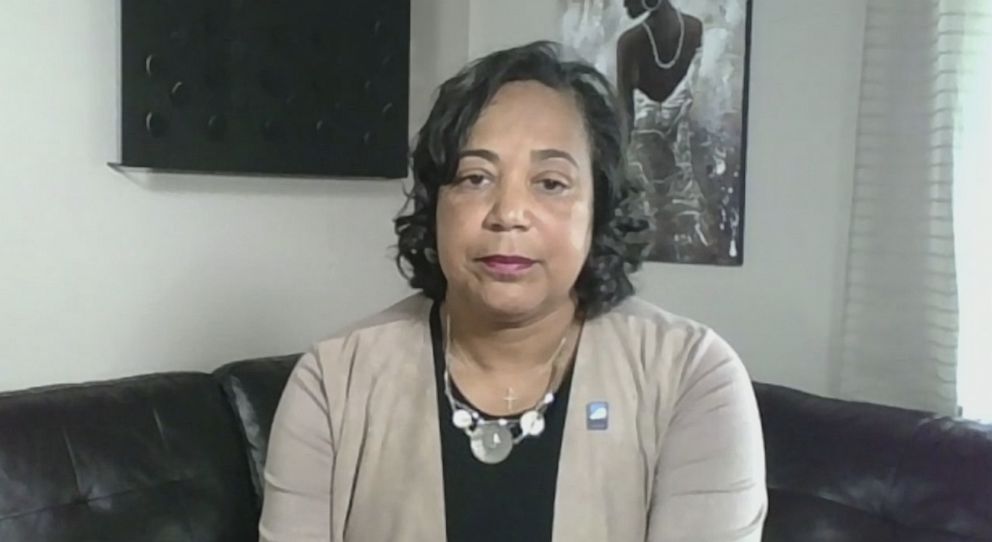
{"x": 507, "y": 264}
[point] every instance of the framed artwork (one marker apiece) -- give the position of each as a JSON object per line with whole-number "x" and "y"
{"x": 311, "y": 87}
{"x": 681, "y": 71}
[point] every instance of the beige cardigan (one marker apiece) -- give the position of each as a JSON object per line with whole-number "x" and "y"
{"x": 354, "y": 454}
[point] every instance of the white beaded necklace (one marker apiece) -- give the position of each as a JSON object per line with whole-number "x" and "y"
{"x": 654, "y": 45}
{"x": 491, "y": 441}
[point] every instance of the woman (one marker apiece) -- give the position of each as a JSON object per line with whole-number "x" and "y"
{"x": 659, "y": 56}
{"x": 523, "y": 394}
{"x": 657, "y": 63}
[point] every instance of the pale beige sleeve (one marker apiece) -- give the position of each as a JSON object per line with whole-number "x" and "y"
{"x": 710, "y": 478}
{"x": 297, "y": 497}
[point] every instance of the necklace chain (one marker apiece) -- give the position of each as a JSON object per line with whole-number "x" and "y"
{"x": 654, "y": 44}
{"x": 509, "y": 398}
{"x": 508, "y": 422}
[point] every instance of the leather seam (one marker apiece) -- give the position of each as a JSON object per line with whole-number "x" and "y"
{"x": 90, "y": 500}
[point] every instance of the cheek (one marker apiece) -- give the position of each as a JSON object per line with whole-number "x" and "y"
{"x": 452, "y": 227}
{"x": 580, "y": 228}
{"x": 446, "y": 234}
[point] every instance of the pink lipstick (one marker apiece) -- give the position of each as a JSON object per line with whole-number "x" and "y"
{"x": 506, "y": 266}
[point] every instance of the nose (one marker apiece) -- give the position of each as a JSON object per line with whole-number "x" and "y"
{"x": 510, "y": 207}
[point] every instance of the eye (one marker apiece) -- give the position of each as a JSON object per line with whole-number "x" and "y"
{"x": 472, "y": 180}
{"x": 551, "y": 185}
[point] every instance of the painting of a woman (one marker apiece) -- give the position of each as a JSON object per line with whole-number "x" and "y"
{"x": 680, "y": 70}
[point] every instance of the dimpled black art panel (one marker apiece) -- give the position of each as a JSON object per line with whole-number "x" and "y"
{"x": 315, "y": 87}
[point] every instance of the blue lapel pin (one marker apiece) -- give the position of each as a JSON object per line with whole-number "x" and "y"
{"x": 597, "y": 416}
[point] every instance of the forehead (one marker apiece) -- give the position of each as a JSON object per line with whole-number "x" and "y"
{"x": 527, "y": 115}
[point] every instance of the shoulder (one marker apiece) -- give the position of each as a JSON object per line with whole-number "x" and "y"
{"x": 630, "y": 39}
{"x": 641, "y": 320}
{"x": 667, "y": 346}
{"x": 398, "y": 326}
{"x": 694, "y": 31}
{"x": 693, "y": 24}
{"x": 410, "y": 311}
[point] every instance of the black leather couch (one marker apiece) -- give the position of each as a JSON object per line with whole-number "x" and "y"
{"x": 178, "y": 457}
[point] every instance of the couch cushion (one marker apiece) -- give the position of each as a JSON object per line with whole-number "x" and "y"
{"x": 846, "y": 471}
{"x": 253, "y": 388}
{"x": 151, "y": 458}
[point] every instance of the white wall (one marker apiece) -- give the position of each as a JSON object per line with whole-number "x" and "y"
{"x": 497, "y": 24}
{"x": 104, "y": 274}
{"x": 779, "y": 310}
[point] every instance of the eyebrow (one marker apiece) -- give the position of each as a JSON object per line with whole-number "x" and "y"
{"x": 480, "y": 153}
{"x": 546, "y": 154}
{"x": 537, "y": 155}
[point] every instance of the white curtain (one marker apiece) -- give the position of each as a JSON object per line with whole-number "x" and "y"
{"x": 902, "y": 331}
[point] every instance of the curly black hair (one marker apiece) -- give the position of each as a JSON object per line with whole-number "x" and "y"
{"x": 622, "y": 219}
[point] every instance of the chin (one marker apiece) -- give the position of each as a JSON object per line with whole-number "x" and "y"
{"x": 510, "y": 301}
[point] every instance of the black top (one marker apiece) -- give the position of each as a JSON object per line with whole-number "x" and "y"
{"x": 511, "y": 500}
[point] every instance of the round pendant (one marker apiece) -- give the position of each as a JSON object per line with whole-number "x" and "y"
{"x": 491, "y": 443}
{"x": 462, "y": 419}
{"x": 532, "y": 423}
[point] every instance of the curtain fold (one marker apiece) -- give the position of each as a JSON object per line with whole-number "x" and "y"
{"x": 900, "y": 335}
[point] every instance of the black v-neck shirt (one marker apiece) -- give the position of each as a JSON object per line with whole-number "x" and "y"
{"x": 511, "y": 500}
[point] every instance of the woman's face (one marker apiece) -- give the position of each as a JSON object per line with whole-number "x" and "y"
{"x": 515, "y": 226}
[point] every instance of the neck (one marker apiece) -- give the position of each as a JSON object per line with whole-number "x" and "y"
{"x": 664, "y": 15}
{"x": 507, "y": 346}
